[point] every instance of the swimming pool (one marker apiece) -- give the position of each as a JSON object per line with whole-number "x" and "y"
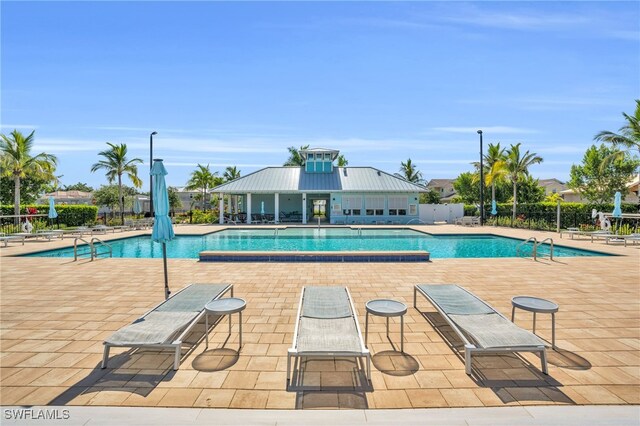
{"x": 324, "y": 240}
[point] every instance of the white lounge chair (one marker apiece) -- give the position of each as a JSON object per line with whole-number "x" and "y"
{"x": 6, "y": 238}
{"x": 50, "y": 233}
{"x": 481, "y": 328}
{"x": 327, "y": 327}
{"x": 167, "y": 325}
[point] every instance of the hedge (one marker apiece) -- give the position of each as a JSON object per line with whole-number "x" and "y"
{"x": 504, "y": 209}
{"x": 70, "y": 215}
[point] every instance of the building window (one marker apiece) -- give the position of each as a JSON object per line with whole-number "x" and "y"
{"x": 374, "y": 206}
{"x": 352, "y": 206}
{"x": 413, "y": 209}
{"x": 398, "y": 206}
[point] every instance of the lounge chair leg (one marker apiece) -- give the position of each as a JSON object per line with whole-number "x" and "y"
{"x": 105, "y": 356}
{"x": 176, "y": 361}
{"x": 288, "y": 368}
{"x": 543, "y": 360}
{"x": 467, "y": 358}
{"x": 415, "y": 291}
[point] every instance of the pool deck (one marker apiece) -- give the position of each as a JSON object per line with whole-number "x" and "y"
{"x": 55, "y": 313}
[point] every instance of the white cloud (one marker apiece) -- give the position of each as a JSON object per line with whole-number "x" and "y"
{"x": 18, "y": 126}
{"x": 523, "y": 19}
{"x": 486, "y": 129}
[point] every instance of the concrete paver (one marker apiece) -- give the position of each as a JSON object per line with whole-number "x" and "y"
{"x": 55, "y": 313}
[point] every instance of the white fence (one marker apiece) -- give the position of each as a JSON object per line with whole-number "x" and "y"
{"x": 432, "y": 213}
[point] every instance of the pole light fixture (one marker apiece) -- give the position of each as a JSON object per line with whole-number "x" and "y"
{"x": 151, "y": 178}
{"x": 481, "y": 182}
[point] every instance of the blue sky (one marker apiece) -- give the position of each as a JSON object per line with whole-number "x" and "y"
{"x": 236, "y": 83}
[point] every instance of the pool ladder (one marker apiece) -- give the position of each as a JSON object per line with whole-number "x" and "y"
{"x": 94, "y": 244}
{"x": 536, "y": 244}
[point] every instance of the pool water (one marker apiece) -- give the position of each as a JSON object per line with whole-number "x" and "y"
{"x": 326, "y": 240}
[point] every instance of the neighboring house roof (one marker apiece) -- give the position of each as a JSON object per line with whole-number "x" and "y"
{"x": 69, "y": 195}
{"x": 184, "y": 189}
{"x": 433, "y": 183}
{"x": 548, "y": 182}
{"x": 342, "y": 179}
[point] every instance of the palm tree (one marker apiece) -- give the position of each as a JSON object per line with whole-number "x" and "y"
{"x": 295, "y": 159}
{"x": 496, "y": 167}
{"x": 202, "y": 179}
{"x": 116, "y": 164}
{"x": 629, "y": 136}
{"x": 232, "y": 173}
{"x": 517, "y": 166}
{"x": 342, "y": 161}
{"x": 409, "y": 172}
{"x": 16, "y": 161}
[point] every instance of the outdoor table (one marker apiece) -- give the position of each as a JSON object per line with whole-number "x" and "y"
{"x": 226, "y": 306}
{"x": 537, "y": 305}
{"x": 385, "y": 308}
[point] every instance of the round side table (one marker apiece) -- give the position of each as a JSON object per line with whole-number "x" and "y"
{"x": 537, "y": 306}
{"x": 386, "y": 308}
{"x": 226, "y": 306}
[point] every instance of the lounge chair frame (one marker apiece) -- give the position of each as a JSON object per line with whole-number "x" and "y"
{"x": 469, "y": 347}
{"x": 294, "y": 353}
{"x": 175, "y": 344}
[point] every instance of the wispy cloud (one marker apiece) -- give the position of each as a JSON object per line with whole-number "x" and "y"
{"x": 488, "y": 129}
{"x": 18, "y": 126}
{"x": 517, "y": 20}
{"x": 543, "y": 102}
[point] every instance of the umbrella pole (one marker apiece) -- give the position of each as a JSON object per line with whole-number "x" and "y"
{"x": 166, "y": 276}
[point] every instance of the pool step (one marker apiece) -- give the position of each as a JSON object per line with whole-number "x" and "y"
{"x": 314, "y": 256}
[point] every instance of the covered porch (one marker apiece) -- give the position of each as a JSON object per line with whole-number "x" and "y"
{"x": 255, "y": 208}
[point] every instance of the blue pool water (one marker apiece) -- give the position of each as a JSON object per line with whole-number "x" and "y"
{"x": 324, "y": 239}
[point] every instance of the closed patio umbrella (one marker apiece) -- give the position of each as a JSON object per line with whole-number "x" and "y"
{"x": 617, "y": 205}
{"x": 137, "y": 208}
{"x": 494, "y": 210}
{"x": 162, "y": 228}
{"x": 52, "y": 209}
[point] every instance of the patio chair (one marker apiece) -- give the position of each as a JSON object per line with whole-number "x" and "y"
{"x": 6, "y": 238}
{"x": 327, "y": 327}
{"x": 479, "y": 326}
{"x": 168, "y": 324}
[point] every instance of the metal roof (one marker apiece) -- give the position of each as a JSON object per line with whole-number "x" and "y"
{"x": 295, "y": 179}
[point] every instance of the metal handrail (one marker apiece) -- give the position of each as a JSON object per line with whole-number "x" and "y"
{"x": 550, "y": 246}
{"x": 75, "y": 248}
{"x": 535, "y": 246}
{"x": 102, "y": 243}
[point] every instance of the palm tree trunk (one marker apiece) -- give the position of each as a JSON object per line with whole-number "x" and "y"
{"x": 16, "y": 198}
{"x": 513, "y": 214}
{"x": 204, "y": 198}
{"x": 493, "y": 193}
{"x": 120, "y": 200}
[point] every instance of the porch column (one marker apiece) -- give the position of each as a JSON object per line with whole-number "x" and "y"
{"x": 304, "y": 208}
{"x": 248, "y": 208}
{"x": 221, "y": 219}
{"x": 276, "y": 199}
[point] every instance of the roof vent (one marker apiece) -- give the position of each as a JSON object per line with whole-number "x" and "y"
{"x": 379, "y": 174}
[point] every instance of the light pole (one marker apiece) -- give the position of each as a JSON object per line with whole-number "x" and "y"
{"x": 151, "y": 178}
{"x": 481, "y": 182}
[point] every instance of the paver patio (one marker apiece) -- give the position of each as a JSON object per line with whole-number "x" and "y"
{"x": 55, "y": 313}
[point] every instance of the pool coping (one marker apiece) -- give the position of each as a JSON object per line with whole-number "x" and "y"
{"x": 267, "y": 253}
